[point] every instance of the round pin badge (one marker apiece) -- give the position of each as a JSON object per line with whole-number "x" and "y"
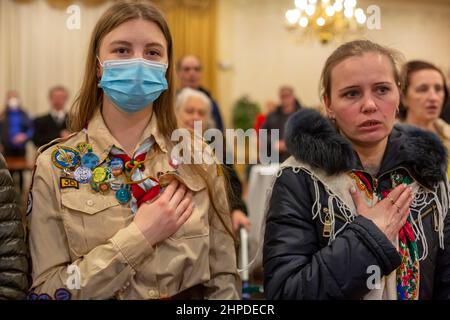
{"x": 90, "y": 160}
{"x": 116, "y": 184}
{"x": 99, "y": 174}
{"x": 104, "y": 187}
{"x": 83, "y": 175}
{"x": 62, "y": 294}
{"x": 32, "y": 296}
{"x": 116, "y": 166}
{"x": 123, "y": 195}
{"x": 65, "y": 157}
{"x": 116, "y": 172}
{"x": 116, "y": 163}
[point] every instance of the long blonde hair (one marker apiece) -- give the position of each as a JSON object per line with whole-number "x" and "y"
{"x": 90, "y": 96}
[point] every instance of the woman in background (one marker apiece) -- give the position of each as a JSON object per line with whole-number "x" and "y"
{"x": 194, "y": 106}
{"x": 424, "y": 93}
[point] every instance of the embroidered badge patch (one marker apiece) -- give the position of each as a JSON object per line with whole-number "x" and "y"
{"x": 62, "y": 294}
{"x": 66, "y": 183}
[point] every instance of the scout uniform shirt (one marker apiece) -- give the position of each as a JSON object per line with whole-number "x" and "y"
{"x": 85, "y": 245}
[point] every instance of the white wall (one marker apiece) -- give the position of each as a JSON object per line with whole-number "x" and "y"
{"x": 38, "y": 51}
{"x": 252, "y": 38}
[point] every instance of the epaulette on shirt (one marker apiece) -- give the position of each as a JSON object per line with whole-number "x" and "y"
{"x": 54, "y": 142}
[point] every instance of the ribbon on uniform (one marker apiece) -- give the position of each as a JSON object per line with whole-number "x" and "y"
{"x": 148, "y": 188}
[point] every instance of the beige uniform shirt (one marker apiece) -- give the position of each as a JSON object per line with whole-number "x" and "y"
{"x": 87, "y": 244}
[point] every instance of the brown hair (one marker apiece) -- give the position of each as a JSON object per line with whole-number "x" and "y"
{"x": 90, "y": 95}
{"x": 351, "y": 49}
{"x": 407, "y": 70}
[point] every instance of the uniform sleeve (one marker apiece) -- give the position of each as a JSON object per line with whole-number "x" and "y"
{"x": 99, "y": 274}
{"x": 225, "y": 282}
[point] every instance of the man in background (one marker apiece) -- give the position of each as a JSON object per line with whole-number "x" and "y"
{"x": 53, "y": 124}
{"x": 276, "y": 120}
{"x": 189, "y": 72}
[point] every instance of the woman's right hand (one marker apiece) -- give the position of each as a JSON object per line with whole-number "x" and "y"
{"x": 164, "y": 216}
{"x": 390, "y": 214}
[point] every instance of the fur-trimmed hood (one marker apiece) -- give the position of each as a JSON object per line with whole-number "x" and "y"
{"x": 311, "y": 138}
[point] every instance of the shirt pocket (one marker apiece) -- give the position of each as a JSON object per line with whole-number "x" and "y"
{"x": 91, "y": 219}
{"x": 198, "y": 224}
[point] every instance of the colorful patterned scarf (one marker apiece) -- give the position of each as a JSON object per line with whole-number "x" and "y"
{"x": 408, "y": 275}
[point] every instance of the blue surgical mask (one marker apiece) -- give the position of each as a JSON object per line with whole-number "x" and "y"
{"x": 133, "y": 84}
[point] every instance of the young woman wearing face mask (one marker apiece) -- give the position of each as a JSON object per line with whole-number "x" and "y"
{"x": 103, "y": 225}
{"x": 424, "y": 94}
{"x": 360, "y": 209}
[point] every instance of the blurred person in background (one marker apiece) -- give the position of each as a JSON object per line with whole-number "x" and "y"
{"x": 191, "y": 106}
{"x": 16, "y": 129}
{"x": 424, "y": 95}
{"x": 53, "y": 124}
{"x": 260, "y": 118}
{"x": 189, "y": 72}
{"x": 276, "y": 120}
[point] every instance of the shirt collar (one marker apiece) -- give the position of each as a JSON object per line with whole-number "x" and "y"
{"x": 58, "y": 115}
{"x": 102, "y": 140}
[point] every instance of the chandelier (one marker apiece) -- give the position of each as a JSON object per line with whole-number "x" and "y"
{"x": 326, "y": 19}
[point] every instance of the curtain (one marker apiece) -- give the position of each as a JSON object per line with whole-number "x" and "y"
{"x": 193, "y": 27}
